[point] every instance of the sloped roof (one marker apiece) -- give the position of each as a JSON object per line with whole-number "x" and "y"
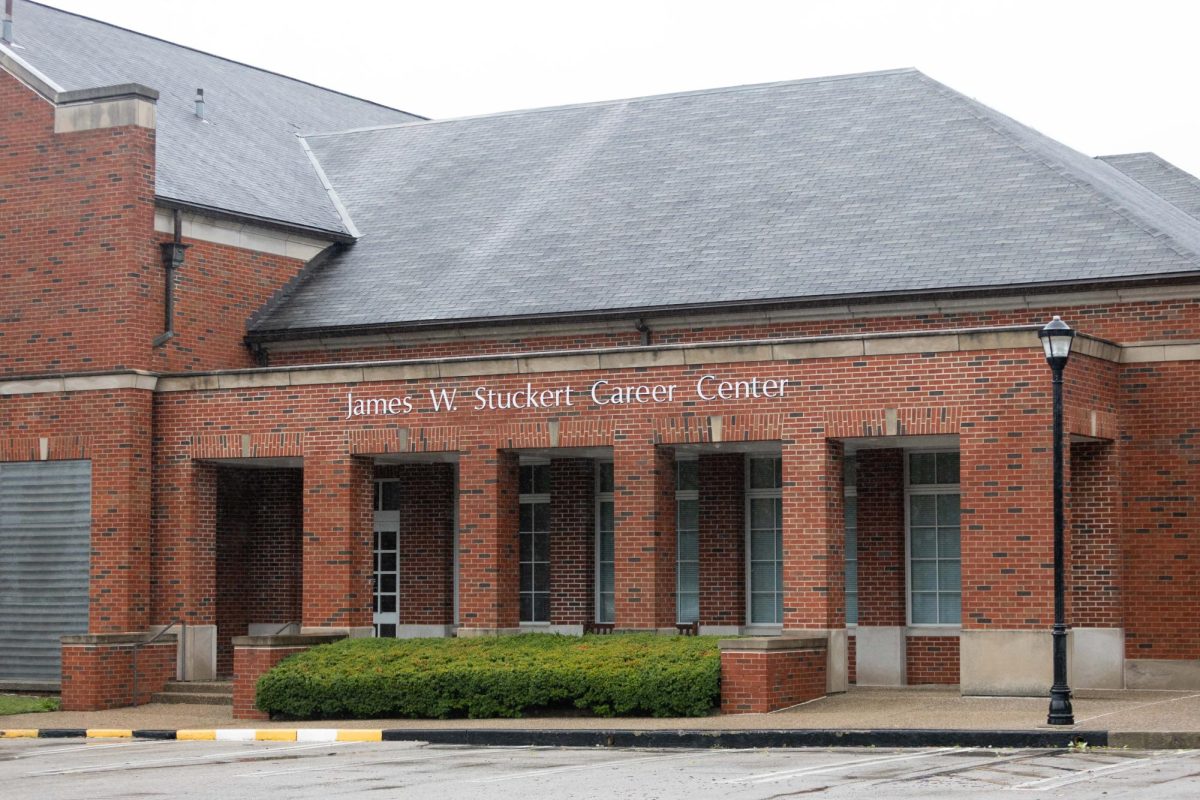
{"x": 1163, "y": 178}
{"x": 837, "y": 187}
{"x": 244, "y": 157}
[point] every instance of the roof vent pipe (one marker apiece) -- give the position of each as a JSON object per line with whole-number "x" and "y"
{"x": 200, "y": 103}
{"x": 6, "y": 31}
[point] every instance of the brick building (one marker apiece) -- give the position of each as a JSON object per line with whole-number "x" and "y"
{"x": 278, "y": 360}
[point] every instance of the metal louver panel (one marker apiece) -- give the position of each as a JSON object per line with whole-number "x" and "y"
{"x": 45, "y": 543}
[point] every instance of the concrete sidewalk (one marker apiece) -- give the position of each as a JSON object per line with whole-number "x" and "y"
{"x": 1132, "y": 718}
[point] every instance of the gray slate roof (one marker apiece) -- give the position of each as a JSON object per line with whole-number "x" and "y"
{"x": 847, "y": 186}
{"x": 1161, "y": 177}
{"x": 246, "y": 157}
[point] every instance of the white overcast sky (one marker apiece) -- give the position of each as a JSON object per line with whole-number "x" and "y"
{"x": 1103, "y": 77}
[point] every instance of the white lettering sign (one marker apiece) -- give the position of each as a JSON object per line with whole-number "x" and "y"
{"x": 709, "y": 388}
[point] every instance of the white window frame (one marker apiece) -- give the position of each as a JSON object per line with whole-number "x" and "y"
{"x": 532, "y": 498}
{"x": 377, "y": 508}
{"x": 927, "y": 489}
{"x": 754, "y": 494}
{"x": 686, "y": 495}
{"x": 602, "y": 497}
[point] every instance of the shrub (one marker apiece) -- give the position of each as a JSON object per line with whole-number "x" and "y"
{"x": 623, "y": 674}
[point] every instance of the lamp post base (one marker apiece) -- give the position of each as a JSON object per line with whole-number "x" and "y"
{"x": 1061, "y": 712}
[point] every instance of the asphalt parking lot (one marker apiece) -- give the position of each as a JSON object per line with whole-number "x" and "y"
{"x": 40, "y": 769}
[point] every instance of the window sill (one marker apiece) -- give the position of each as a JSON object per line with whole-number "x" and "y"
{"x": 916, "y": 631}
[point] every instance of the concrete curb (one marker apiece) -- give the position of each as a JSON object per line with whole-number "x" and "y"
{"x": 884, "y": 737}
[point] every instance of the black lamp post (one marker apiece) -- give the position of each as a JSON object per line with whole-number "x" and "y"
{"x": 1056, "y": 341}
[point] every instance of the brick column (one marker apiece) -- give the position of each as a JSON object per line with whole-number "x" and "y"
{"x": 98, "y": 669}
{"x": 644, "y": 505}
{"x": 761, "y": 675}
{"x": 880, "y": 637}
{"x": 255, "y": 655}
{"x": 1008, "y": 549}
{"x": 488, "y": 512}
{"x": 722, "y": 483}
{"x": 572, "y": 541}
{"x": 814, "y": 570}
{"x": 1095, "y": 587}
{"x": 337, "y": 551}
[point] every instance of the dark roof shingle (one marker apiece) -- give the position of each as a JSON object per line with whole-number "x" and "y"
{"x": 244, "y": 156}
{"x": 848, "y": 186}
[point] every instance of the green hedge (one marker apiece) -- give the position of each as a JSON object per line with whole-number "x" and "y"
{"x": 621, "y": 674}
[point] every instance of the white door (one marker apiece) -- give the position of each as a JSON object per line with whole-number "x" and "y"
{"x": 387, "y": 558}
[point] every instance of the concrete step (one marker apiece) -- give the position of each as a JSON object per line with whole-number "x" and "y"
{"x": 199, "y": 687}
{"x": 199, "y": 698}
{"x": 213, "y": 693}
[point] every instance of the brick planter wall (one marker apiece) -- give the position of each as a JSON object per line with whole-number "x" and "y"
{"x": 932, "y": 659}
{"x": 254, "y": 655}
{"x": 97, "y": 670}
{"x": 761, "y": 675}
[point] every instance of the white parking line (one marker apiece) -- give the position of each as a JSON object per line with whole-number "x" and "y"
{"x": 537, "y": 773}
{"x": 391, "y": 757}
{"x": 1058, "y": 781}
{"x": 153, "y": 761}
{"x": 767, "y": 777}
{"x": 79, "y": 747}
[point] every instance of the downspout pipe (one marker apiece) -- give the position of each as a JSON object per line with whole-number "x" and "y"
{"x": 172, "y": 259}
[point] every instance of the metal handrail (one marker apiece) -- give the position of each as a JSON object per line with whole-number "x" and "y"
{"x": 285, "y": 626}
{"x": 139, "y": 645}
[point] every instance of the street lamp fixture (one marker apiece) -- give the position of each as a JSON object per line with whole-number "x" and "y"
{"x": 1057, "y": 338}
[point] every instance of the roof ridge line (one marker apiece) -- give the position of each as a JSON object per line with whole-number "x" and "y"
{"x": 626, "y": 100}
{"x": 1189, "y": 177}
{"x": 330, "y": 192}
{"x": 1063, "y": 169}
{"x": 222, "y": 58}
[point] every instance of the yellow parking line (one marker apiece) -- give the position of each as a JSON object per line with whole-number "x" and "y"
{"x": 19, "y": 733}
{"x": 356, "y": 735}
{"x": 109, "y": 733}
{"x": 196, "y": 735}
{"x": 275, "y": 735}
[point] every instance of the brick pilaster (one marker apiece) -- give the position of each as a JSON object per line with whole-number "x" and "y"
{"x": 644, "y": 505}
{"x": 814, "y": 577}
{"x": 881, "y": 567}
{"x": 722, "y": 538}
{"x": 488, "y": 530}
{"x": 337, "y": 551}
{"x": 572, "y": 541}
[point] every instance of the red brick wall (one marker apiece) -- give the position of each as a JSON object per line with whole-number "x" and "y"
{"x": 112, "y": 430}
{"x": 881, "y": 554}
{"x": 932, "y": 659}
{"x": 258, "y": 552}
{"x": 338, "y": 529}
{"x": 644, "y": 541}
{"x": 572, "y": 541}
{"x": 426, "y": 541}
{"x": 1094, "y": 516}
{"x": 80, "y": 269}
{"x": 488, "y": 493}
{"x": 757, "y": 683}
{"x": 217, "y": 289}
{"x": 814, "y": 567}
{"x": 998, "y": 401}
{"x": 852, "y": 659}
{"x": 722, "y": 538}
{"x": 1160, "y": 474}
{"x": 1119, "y": 322}
{"x": 96, "y": 677}
{"x": 249, "y": 664}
